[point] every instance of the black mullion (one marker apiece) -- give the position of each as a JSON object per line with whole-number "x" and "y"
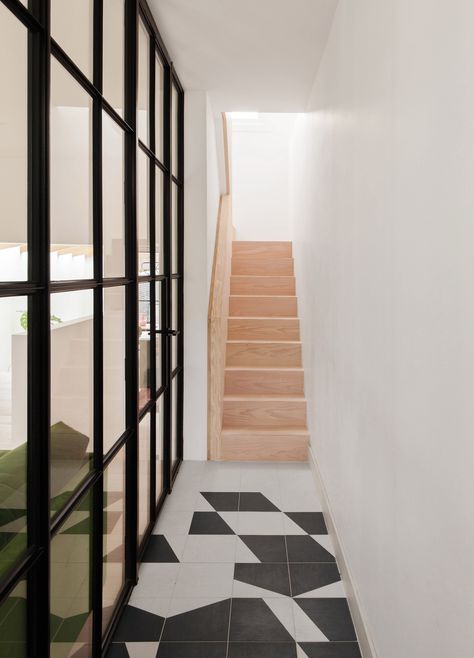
{"x": 64, "y": 59}
{"x": 39, "y": 366}
{"x": 152, "y": 233}
{"x": 180, "y": 284}
{"x": 18, "y": 288}
{"x": 166, "y": 315}
{"x": 23, "y": 15}
{"x": 131, "y": 371}
{"x": 107, "y": 107}
{"x": 73, "y": 285}
{"x": 143, "y": 147}
{"x": 96, "y": 540}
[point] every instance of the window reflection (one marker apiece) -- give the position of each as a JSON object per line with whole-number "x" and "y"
{"x": 114, "y": 534}
{"x": 13, "y": 616}
{"x": 144, "y": 363}
{"x": 143, "y": 476}
{"x": 13, "y": 147}
{"x": 71, "y": 392}
{"x": 71, "y": 616}
{"x": 114, "y": 365}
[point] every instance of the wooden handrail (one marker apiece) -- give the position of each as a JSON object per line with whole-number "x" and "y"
{"x": 218, "y": 311}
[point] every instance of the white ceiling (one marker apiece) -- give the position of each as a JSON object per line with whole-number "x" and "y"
{"x": 257, "y": 55}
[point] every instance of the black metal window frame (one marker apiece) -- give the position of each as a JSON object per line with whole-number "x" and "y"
{"x": 34, "y": 565}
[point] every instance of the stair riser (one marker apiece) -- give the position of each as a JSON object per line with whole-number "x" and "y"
{"x": 263, "y": 267}
{"x": 242, "y": 249}
{"x": 262, "y": 285}
{"x": 274, "y": 355}
{"x": 277, "y": 307}
{"x": 263, "y": 329}
{"x": 264, "y": 382}
{"x": 248, "y": 447}
{"x": 265, "y": 414}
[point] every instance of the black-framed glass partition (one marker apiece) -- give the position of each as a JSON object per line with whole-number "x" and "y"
{"x": 91, "y": 313}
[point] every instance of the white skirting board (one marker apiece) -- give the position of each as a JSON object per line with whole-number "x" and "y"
{"x": 366, "y": 645}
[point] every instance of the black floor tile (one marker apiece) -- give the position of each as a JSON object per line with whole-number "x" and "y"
{"x": 311, "y": 522}
{"x": 138, "y": 626}
{"x": 331, "y": 616}
{"x": 331, "y": 649}
{"x": 303, "y": 548}
{"x": 268, "y": 548}
{"x": 255, "y": 502}
{"x": 252, "y": 620}
{"x": 209, "y": 523}
{"x": 222, "y": 502}
{"x": 273, "y": 577}
{"x": 262, "y": 650}
{"x": 159, "y": 550}
{"x": 207, "y": 624}
{"x": 306, "y": 577}
{"x": 192, "y": 650}
{"x": 117, "y": 650}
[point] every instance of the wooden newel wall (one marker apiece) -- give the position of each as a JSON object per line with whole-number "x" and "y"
{"x": 218, "y": 312}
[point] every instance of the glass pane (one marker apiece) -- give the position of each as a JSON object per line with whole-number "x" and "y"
{"x": 143, "y": 228}
{"x": 144, "y": 344}
{"x": 114, "y": 534}
{"x": 13, "y": 616}
{"x": 72, "y": 28}
{"x": 71, "y": 168}
{"x": 13, "y": 428}
{"x": 13, "y": 147}
{"x": 159, "y": 266}
{"x": 71, "y": 392}
{"x": 114, "y": 53}
{"x": 159, "y": 89}
{"x": 159, "y": 447}
{"x": 113, "y": 200}
{"x": 143, "y": 476}
{"x": 174, "y": 230}
{"x": 114, "y": 365}
{"x": 174, "y": 132}
{"x": 159, "y": 337}
{"x": 174, "y": 420}
{"x": 71, "y": 616}
{"x": 174, "y": 322}
{"x": 143, "y": 100}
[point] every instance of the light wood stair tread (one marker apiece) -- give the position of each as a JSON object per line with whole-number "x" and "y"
{"x": 264, "y": 368}
{"x": 297, "y": 431}
{"x": 263, "y": 397}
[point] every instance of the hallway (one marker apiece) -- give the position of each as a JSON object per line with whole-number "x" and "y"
{"x": 239, "y": 565}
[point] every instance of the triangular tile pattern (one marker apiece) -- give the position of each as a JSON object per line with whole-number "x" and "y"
{"x": 286, "y": 599}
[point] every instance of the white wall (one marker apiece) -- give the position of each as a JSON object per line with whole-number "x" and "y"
{"x": 260, "y": 176}
{"x": 201, "y": 203}
{"x": 384, "y": 233}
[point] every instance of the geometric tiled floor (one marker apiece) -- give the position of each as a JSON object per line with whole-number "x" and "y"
{"x": 239, "y": 566}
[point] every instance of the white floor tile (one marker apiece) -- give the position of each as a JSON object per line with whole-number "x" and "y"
{"x": 335, "y": 590}
{"x": 261, "y": 523}
{"x": 242, "y": 590}
{"x": 210, "y": 548}
{"x": 207, "y": 580}
{"x": 172, "y": 523}
{"x": 305, "y": 629}
{"x": 180, "y": 605}
{"x": 157, "y": 606}
{"x": 243, "y": 553}
{"x": 156, "y": 580}
{"x": 142, "y": 649}
{"x": 283, "y": 611}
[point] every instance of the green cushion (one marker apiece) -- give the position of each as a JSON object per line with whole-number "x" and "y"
{"x": 67, "y": 443}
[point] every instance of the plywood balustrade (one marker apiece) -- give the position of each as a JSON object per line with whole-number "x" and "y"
{"x": 217, "y": 325}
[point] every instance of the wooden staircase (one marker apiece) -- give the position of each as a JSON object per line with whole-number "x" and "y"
{"x": 264, "y": 408}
